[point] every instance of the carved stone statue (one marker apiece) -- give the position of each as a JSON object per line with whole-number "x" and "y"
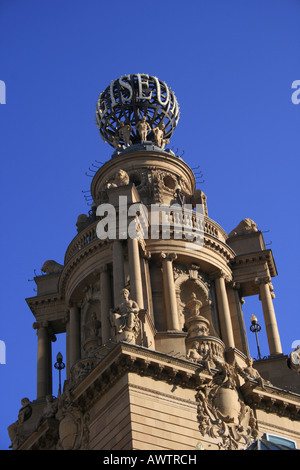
{"x": 26, "y": 410}
{"x": 16, "y": 431}
{"x": 294, "y": 360}
{"x": 124, "y": 132}
{"x": 159, "y": 134}
{"x": 93, "y": 337}
{"x": 245, "y": 226}
{"x": 121, "y": 178}
{"x": 249, "y": 372}
{"x": 51, "y": 267}
{"x": 143, "y": 128}
{"x": 93, "y": 325}
{"x": 82, "y": 222}
{"x": 124, "y": 319}
{"x": 49, "y": 411}
{"x": 116, "y": 142}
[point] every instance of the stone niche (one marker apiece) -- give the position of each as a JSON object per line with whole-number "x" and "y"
{"x": 90, "y": 320}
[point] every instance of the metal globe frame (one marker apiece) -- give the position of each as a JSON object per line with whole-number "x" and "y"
{"x": 129, "y": 98}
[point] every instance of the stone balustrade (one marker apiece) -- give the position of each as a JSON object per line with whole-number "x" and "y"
{"x": 204, "y": 224}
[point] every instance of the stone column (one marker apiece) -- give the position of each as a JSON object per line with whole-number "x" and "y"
{"x": 67, "y": 323}
{"x": 105, "y": 302}
{"x": 74, "y": 334}
{"x": 51, "y": 339}
{"x": 269, "y": 316}
{"x": 42, "y": 359}
{"x": 118, "y": 271}
{"x": 224, "y": 311}
{"x": 136, "y": 287}
{"x": 169, "y": 291}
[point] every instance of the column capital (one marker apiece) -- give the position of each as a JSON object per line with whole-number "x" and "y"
{"x": 40, "y": 324}
{"x": 262, "y": 280}
{"x": 168, "y": 256}
{"x": 221, "y": 274}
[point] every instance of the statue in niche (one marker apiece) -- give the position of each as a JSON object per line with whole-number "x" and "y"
{"x": 124, "y": 132}
{"x": 121, "y": 179}
{"x": 143, "y": 128}
{"x": 93, "y": 325}
{"x": 125, "y": 316}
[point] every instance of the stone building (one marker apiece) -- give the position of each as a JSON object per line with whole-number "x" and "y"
{"x": 150, "y": 298}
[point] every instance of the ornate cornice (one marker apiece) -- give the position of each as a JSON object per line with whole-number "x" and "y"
{"x": 125, "y": 358}
{"x": 259, "y": 257}
{"x": 272, "y": 399}
{"x": 46, "y": 437}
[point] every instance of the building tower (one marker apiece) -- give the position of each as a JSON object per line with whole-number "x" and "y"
{"x": 150, "y": 298}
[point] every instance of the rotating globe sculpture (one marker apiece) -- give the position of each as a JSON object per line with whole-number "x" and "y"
{"x": 137, "y": 108}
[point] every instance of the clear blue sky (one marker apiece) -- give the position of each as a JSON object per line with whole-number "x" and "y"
{"x": 231, "y": 65}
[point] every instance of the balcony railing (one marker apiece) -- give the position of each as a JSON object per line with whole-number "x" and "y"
{"x": 200, "y": 224}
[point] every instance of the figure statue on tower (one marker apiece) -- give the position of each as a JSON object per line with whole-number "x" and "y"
{"x": 143, "y": 128}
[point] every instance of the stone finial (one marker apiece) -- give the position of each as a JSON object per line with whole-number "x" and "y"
{"x": 194, "y": 305}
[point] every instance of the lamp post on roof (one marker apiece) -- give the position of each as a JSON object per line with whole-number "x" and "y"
{"x": 59, "y": 365}
{"x": 255, "y": 328}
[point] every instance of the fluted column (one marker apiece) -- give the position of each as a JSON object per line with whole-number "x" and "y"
{"x": 74, "y": 334}
{"x": 42, "y": 359}
{"x": 224, "y": 311}
{"x": 118, "y": 271}
{"x": 169, "y": 290}
{"x": 136, "y": 287}
{"x": 269, "y": 316}
{"x": 105, "y": 302}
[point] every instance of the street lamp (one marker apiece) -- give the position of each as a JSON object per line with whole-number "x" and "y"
{"x": 255, "y": 328}
{"x": 59, "y": 365}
